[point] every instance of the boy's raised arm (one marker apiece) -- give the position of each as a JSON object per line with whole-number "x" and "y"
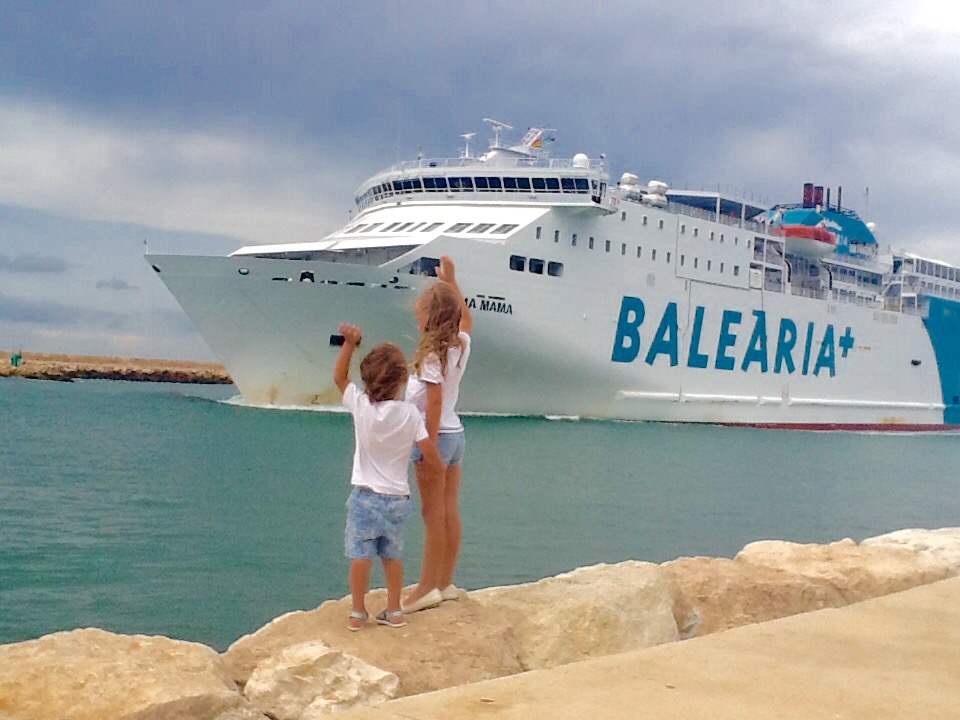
{"x": 351, "y": 338}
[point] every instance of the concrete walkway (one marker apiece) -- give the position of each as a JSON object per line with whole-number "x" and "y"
{"x": 896, "y": 656}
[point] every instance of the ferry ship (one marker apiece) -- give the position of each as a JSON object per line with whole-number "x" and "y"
{"x": 626, "y": 301}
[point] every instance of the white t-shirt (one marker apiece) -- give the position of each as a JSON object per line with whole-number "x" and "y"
{"x": 430, "y": 373}
{"x": 385, "y": 432}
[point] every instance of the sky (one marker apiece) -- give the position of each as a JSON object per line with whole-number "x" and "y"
{"x": 200, "y": 127}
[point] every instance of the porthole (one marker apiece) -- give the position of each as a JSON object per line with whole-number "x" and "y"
{"x": 683, "y": 229}
{"x": 606, "y": 245}
{"x": 623, "y": 248}
{"x": 590, "y": 244}
{"x": 538, "y": 232}
{"x": 668, "y": 257}
{"x": 644, "y": 220}
{"x": 653, "y": 254}
{"x": 623, "y": 216}
{"x": 696, "y": 232}
{"x": 244, "y": 271}
{"x": 660, "y": 224}
{"x": 639, "y": 250}
{"x": 573, "y": 240}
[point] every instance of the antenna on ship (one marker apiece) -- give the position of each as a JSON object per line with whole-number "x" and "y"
{"x": 497, "y": 127}
{"x": 466, "y": 150}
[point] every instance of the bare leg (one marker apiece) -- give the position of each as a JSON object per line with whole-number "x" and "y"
{"x": 434, "y": 534}
{"x": 393, "y": 572}
{"x": 454, "y": 528}
{"x": 359, "y": 582}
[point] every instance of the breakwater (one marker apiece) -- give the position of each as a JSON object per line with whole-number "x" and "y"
{"x": 66, "y": 368}
{"x": 305, "y": 664}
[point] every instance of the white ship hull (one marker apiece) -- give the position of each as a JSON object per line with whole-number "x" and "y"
{"x": 545, "y": 346}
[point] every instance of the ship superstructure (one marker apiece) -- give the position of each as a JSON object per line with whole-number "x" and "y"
{"x": 629, "y": 301}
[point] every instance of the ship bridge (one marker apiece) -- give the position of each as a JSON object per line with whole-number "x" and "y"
{"x": 512, "y": 174}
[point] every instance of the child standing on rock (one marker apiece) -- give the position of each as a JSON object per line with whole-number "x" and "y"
{"x": 441, "y": 358}
{"x": 385, "y": 430}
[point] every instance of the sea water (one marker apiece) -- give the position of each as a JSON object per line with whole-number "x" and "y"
{"x": 162, "y": 509}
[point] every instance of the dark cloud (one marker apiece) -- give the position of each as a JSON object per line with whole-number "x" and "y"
{"x": 54, "y": 314}
{"x": 33, "y": 264}
{"x": 115, "y": 283}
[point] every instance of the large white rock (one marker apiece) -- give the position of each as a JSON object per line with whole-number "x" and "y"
{"x": 457, "y": 643}
{"x": 97, "y": 675}
{"x": 586, "y": 613}
{"x": 857, "y": 572}
{"x": 941, "y": 546}
{"x": 309, "y": 680}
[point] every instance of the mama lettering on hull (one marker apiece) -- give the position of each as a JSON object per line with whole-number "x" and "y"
{"x": 639, "y": 302}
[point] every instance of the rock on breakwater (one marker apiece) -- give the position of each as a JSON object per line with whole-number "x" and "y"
{"x": 305, "y": 664}
{"x": 47, "y": 366}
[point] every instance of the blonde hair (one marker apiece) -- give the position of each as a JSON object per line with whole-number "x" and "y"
{"x": 441, "y": 305}
{"x": 384, "y": 371}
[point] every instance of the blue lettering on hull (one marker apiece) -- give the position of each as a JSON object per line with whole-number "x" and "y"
{"x": 943, "y": 326}
{"x": 754, "y": 350}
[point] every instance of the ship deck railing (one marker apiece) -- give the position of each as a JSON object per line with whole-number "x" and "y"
{"x": 701, "y": 214}
{"x": 499, "y": 162}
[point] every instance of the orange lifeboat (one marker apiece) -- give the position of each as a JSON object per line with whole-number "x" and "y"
{"x": 812, "y": 241}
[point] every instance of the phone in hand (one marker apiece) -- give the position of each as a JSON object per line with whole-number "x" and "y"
{"x": 338, "y": 340}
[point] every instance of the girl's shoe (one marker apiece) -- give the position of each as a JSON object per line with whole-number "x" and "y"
{"x": 431, "y": 599}
{"x": 356, "y": 615}
{"x": 450, "y": 592}
{"x": 391, "y": 619}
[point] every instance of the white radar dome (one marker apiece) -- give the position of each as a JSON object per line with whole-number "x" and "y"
{"x": 657, "y": 187}
{"x": 872, "y": 227}
{"x": 581, "y": 161}
{"x": 629, "y": 179}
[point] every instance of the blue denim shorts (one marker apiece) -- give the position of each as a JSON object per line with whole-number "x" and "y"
{"x": 375, "y": 524}
{"x": 451, "y": 447}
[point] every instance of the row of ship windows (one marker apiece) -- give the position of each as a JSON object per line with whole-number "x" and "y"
{"x": 944, "y": 290}
{"x": 644, "y": 220}
{"x": 480, "y": 184}
{"x": 591, "y": 242}
{"x": 536, "y": 265}
{"x": 925, "y": 267}
{"x": 476, "y": 229}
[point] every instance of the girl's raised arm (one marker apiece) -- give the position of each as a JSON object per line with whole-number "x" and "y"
{"x": 446, "y": 273}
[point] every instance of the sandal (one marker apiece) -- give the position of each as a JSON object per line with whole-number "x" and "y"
{"x": 390, "y": 618}
{"x": 355, "y": 615}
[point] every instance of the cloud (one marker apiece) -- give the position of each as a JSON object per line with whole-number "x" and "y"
{"x": 115, "y": 283}
{"x": 217, "y": 181}
{"x": 33, "y": 264}
{"x": 55, "y": 314}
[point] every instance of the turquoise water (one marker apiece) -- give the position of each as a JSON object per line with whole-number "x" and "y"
{"x": 156, "y": 509}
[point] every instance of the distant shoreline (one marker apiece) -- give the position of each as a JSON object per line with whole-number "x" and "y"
{"x": 66, "y": 368}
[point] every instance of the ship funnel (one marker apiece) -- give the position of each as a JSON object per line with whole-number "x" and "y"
{"x": 817, "y": 195}
{"x": 808, "y": 195}
{"x": 839, "y": 195}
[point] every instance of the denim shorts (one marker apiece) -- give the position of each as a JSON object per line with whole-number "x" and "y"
{"x": 375, "y": 524}
{"x": 451, "y": 447}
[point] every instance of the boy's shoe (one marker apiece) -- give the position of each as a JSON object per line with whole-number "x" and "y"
{"x": 450, "y": 592}
{"x": 431, "y": 599}
{"x": 391, "y": 619}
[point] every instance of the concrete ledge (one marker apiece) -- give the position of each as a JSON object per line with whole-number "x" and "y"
{"x": 896, "y": 656}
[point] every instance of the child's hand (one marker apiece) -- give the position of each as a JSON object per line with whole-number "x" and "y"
{"x": 446, "y": 271}
{"x": 351, "y": 333}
